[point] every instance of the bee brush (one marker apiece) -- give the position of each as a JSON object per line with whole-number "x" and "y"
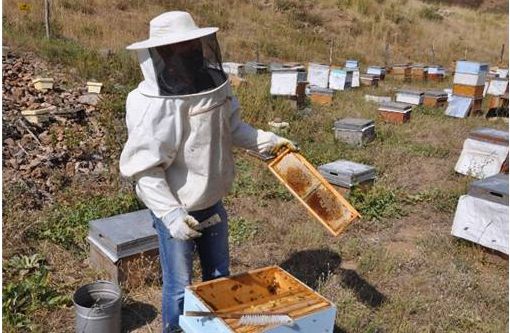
{"x": 248, "y": 319}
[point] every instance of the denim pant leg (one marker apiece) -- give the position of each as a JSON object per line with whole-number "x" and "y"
{"x": 213, "y": 245}
{"x": 176, "y": 258}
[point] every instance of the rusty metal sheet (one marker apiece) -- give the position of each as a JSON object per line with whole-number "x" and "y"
{"x": 313, "y": 191}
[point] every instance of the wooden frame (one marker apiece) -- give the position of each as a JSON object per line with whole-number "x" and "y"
{"x": 313, "y": 194}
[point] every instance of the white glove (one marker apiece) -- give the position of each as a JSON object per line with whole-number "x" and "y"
{"x": 180, "y": 225}
{"x": 282, "y": 142}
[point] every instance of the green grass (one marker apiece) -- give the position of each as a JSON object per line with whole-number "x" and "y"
{"x": 66, "y": 223}
{"x": 241, "y": 230}
{"x": 26, "y": 289}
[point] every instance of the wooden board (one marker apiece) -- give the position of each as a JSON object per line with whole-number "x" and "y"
{"x": 313, "y": 191}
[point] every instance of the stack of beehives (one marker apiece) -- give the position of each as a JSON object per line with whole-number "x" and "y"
{"x": 353, "y": 67}
{"x": 401, "y": 72}
{"x": 468, "y": 83}
{"x": 379, "y": 71}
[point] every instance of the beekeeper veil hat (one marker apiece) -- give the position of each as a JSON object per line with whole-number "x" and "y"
{"x": 179, "y": 58}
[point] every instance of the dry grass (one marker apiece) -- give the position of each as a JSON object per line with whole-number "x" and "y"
{"x": 289, "y": 29}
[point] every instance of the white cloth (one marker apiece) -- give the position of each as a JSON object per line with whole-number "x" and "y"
{"x": 179, "y": 148}
{"x": 481, "y": 159}
{"x": 483, "y": 222}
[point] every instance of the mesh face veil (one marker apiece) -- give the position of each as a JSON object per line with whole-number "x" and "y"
{"x": 188, "y": 67}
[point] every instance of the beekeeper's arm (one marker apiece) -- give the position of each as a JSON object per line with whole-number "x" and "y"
{"x": 245, "y": 136}
{"x": 150, "y": 149}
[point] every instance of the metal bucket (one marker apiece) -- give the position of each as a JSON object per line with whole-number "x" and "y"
{"x": 98, "y": 308}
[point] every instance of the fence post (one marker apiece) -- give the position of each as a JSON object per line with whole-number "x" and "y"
{"x": 47, "y": 17}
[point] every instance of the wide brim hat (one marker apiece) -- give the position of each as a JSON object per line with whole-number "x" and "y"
{"x": 171, "y": 28}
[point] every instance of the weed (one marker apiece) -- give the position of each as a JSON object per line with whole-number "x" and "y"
{"x": 241, "y": 230}
{"x": 27, "y": 288}
{"x": 67, "y": 223}
{"x": 377, "y": 203}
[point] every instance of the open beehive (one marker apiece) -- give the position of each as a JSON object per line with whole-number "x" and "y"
{"x": 313, "y": 191}
{"x": 268, "y": 289}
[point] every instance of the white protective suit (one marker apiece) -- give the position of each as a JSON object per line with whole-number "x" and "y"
{"x": 179, "y": 148}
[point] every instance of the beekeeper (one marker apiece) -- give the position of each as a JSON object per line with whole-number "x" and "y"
{"x": 182, "y": 123}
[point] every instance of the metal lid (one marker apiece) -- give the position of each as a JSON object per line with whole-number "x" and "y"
{"x": 410, "y": 92}
{"x": 489, "y": 135}
{"x": 353, "y": 123}
{"x": 436, "y": 93}
{"x": 124, "y": 233}
{"x": 395, "y": 106}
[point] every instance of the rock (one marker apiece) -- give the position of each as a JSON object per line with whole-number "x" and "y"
{"x": 89, "y": 99}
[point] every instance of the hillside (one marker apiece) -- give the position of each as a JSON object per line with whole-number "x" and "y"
{"x": 289, "y": 30}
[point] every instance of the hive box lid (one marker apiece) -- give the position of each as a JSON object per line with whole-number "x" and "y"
{"x": 490, "y": 135}
{"x": 395, "y": 107}
{"x": 410, "y": 92}
{"x": 346, "y": 173}
{"x": 464, "y": 66}
{"x": 353, "y": 123}
{"x": 124, "y": 235}
{"x": 352, "y": 64}
{"x": 436, "y": 93}
{"x": 320, "y": 90}
{"x": 494, "y": 188}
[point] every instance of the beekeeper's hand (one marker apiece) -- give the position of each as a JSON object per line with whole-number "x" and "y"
{"x": 180, "y": 225}
{"x": 282, "y": 142}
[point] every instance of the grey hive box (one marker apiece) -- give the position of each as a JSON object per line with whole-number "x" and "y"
{"x": 125, "y": 246}
{"x": 494, "y": 188}
{"x": 354, "y": 131}
{"x": 347, "y": 174}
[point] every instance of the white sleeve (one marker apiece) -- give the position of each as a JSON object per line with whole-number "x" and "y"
{"x": 245, "y": 136}
{"x": 145, "y": 158}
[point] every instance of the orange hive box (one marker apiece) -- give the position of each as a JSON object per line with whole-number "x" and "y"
{"x": 313, "y": 191}
{"x": 468, "y": 91}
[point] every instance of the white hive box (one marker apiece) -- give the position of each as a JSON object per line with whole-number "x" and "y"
{"x": 284, "y": 82}
{"x": 469, "y": 79}
{"x": 482, "y": 221}
{"x": 269, "y": 289}
{"x": 338, "y": 79}
{"x": 352, "y": 64}
{"x": 498, "y": 87}
{"x": 318, "y": 75}
{"x": 413, "y": 97}
{"x": 483, "y": 154}
{"x": 377, "y": 99}
{"x": 94, "y": 87}
{"x": 458, "y": 106}
{"x": 355, "y": 82}
{"x": 473, "y": 67}
{"x": 233, "y": 68}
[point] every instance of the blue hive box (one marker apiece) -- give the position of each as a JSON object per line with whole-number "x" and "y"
{"x": 269, "y": 289}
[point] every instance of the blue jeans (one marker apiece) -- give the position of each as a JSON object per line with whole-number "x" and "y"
{"x": 176, "y": 258}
